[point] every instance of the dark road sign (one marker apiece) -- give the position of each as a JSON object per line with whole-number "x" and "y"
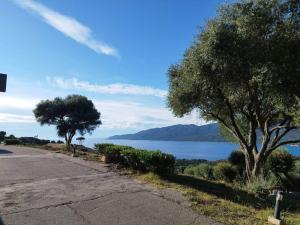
{"x": 3, "y": 78}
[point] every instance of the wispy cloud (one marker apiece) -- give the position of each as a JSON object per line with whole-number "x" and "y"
{"x": 116, "y": 88}
{"x": 121, "y": 115}
{"x": 15, "y": 118}
{"x": 13, "y": 103}
{"x": 125, "y": 115}
{"x": 68, "y": 26}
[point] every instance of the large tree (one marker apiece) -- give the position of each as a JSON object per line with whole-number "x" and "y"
{"x": 70, "y": 115}
{"x": 243, "y": 70}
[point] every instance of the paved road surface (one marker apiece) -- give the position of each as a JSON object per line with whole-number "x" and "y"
{"x": 38, "y": 187}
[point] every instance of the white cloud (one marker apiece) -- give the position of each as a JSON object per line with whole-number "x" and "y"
{"x": 14, "y": 118}
{"x": 17, "y": 103}
{"x": 117, "y": 88}
{"x": 124, "y": 115}
{"x": 68, "y": 26}
{"x": 114, "y": 114}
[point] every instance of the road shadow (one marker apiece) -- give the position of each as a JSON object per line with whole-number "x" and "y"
{"x": 1, "y": 221}
{"x": 3, "y": 151}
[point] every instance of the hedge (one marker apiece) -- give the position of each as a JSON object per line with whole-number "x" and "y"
{"x": 138, "y": 159}
{"x": 13, "y": 141}
{"x": 225, "y": 171}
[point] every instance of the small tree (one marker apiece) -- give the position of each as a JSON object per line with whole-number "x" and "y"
{"x": 2, "y": 135}
{"x": 75, "y": 113}
{"x": 243, "y": 70}
{"x": 80, "y": 140}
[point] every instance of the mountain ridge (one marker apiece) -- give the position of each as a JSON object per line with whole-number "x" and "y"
{"x": 179, "y": 132}
{"x": 187, "y": 132}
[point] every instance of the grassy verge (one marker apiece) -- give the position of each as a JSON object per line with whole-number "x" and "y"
{"x": 219, "y": 201}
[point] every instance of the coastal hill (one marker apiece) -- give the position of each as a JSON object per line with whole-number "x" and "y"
{"x": 191, "y": 132}
{"x": 209, "y": 132}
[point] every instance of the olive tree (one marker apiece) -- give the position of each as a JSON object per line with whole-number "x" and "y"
{"x": 243, "y": 70}
{"x": 75, "y": 113}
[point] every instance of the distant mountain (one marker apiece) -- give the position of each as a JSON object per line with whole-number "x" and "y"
{"x": 209, "y": 132}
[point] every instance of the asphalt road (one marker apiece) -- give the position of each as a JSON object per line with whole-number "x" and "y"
{"x": 38, "y": 187}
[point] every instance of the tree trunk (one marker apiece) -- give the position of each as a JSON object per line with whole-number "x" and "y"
{"x": 253, "y": 164}
{"x": 68, "y": 138}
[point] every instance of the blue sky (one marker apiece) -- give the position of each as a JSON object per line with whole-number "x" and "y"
{"x": 115, "y": 52}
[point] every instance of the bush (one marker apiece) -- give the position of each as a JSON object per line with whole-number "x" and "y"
{"x": 203, "y": 170}
{"x": 190, "y": 170}
{"x": 12, "y": 141}
{"x": 237, "y": 159}
{"x": 112, "y": 152}
{"x": 33, "y": 141}
{"x": 280, "y": 162}
{"x": 261, "y": 186}
{"x": 225, "y": 171}
{"x": 296, "y": 169}
{"x": 138, "y": 159}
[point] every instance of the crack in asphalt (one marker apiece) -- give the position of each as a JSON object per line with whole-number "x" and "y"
{"x": 79, "y": 201}
{"x": 86, "y": 221}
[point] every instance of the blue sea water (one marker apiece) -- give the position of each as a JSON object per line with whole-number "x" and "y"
{"x": 183, "y": 149}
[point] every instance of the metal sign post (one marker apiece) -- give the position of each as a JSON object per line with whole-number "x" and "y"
{"x": 3, "y": 79}
{"x": 276, "y": 217}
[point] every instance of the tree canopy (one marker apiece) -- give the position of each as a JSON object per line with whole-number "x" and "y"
{"x": 75, "y": 113}
{"x": 243, "y": 70}
{"x": 2, "y": 135}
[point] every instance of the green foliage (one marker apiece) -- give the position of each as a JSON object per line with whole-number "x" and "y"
{"x": 261, "y": 186}
{"x": 280, "y": 162}
{"x": 296, "y": 170}
{"x": 226, "y": 61}
{"x": 75, "y": 113}
{"x": 225, "y": 171}
{"x": 237, "y": 158}
{"x": 2, "y": 135}
{"x": 12, "y": 141}
{"x": 102, "y": 148}
{"x": 33, "y": 141}
{"x": 182, "y": 164}
{"x": 242, "y": 70}
{"x": 203, "y": 170}
{"x": 138, "y": 159}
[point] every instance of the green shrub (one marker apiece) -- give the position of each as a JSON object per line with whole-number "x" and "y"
{"x": 225, "y": 171}
{"x": 33, "y": 141}
{"x": 138, "y": 159}
{"x": 161, "y": 162}
{"x": 203, "y": 170}
{"x": 261, "y": 186}
{"x": 237, "y": 159}
{"x": 296, "y": 169}
{"x": 190, "y": 170}
{"x": 280, "y": 162}
{"x": 101, "y": 148}
{"x": 113, "y": 153}
{"x": 13, "y": 141}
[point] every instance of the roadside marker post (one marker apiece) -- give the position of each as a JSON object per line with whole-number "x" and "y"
{"x": 3, "y": 80}
{"x": 275, "y": 219}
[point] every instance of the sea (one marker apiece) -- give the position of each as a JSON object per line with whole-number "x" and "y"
{"x": 184, "y": 149}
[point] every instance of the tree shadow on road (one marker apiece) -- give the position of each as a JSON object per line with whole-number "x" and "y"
{"x": 3, "y": 151}
{"x": 219, "y": 190}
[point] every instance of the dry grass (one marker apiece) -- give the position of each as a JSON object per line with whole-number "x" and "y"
{"x": 219, "y": 201}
